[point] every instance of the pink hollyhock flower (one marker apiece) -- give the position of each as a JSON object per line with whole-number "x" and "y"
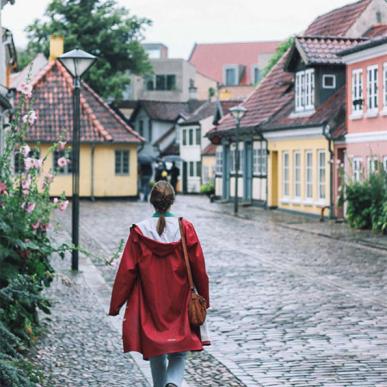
{"x": 36, "y": 225}
{"x": 44, "y": 226}
{"x": 61, "y": 145}
{"x": 30, "y": 117}
{"x": 63, "y": 205}
{"x": 26, "y": 89}
{"x": 62, "y": 162}
{"x": 29, "y": 207}
{"x": 48, "y": 178}
{"x": 3, "y": 188}
{"x": 25, "y": 184}
{"x": 29, "y": 163}
{"x": 38, "y": 163}
{"x": 25, "y": 150}
{"x": 56, "y": 200}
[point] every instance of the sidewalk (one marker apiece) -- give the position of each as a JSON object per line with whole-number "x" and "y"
{"x": 307, "y": 224}
{"x": 81, "y": 348}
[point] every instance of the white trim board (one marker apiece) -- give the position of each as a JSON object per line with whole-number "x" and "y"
{"x": 294, "y": 133}
{"x": 365, "y": 137}
{"x": 368, "y": 53}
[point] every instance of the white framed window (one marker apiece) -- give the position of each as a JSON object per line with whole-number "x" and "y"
{"x": 233, "y": 159}
{"x": 285, "y": 174}
{"x": 373, "y": 164}
{"x": 356, "y": 168}
{"x": 184, "y": 136}
{"x": 67, "y": 169}
{"x": 372, "y": 88}
{"x": 297, "y": 174}
{"x": 255, "y": 74}
{"x": 305, "y": 84}
{"x": 219, "y": 162}
{"x": 385, "y": 86}
{"x": 309, "y": 175}
{"x": 231, "y": 75}
{"x": 259, "y": 161}
{"x": 385, "y": 163}
{"x": 357, "y": 91}
{"x": 122, "y": 162}
{"x": 329, "y": 81}
{"x": 321, "y": 174}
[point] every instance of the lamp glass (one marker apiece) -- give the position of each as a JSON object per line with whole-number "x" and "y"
{"x": 77, "y": 62}
{"x": 238, "y": 112}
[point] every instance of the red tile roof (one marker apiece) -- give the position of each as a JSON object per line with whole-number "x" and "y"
{"x": 326, "y": 112}
{"x": 276, "y": 90}
{"x": 210, "y": 58}
{"x": 269, "y": 97}
{"x": 52, "y": 100}
{"x": 376, "y": 30}
{"x": 338, "y": 21}
{"x": 323, "y": 50}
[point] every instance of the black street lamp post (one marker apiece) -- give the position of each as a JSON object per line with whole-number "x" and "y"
{"x": 237, "y": 112}
{"x": 76, "y": 62}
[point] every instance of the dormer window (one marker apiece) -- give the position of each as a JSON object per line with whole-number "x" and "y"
{"x": 305, "y": 90}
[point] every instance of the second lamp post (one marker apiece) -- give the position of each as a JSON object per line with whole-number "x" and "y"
{"x": 76, "y": 62}
{"x": 237, "y": 112}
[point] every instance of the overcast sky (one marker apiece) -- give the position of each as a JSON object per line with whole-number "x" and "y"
{"x": 181, "y": 23}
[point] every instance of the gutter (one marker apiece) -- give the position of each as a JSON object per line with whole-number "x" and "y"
{"x": 328, "y": 136}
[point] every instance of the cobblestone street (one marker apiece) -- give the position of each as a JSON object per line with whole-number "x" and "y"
{"x": 289, "y": 308}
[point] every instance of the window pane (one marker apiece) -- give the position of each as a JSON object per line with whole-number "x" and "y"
{"x": 160, "y": 82}
{"x": 184, "y": 136}
{"x": 191, "y": 137}
{"x": 117, "y": 162}
{"x": 191, "y": 168}
{"x": 125, "y": 157}
{"x": 171, "y": 82}
{"x": 198, "y": 168}
{"x": 198, "y": 136}
{"x": 230, "y": 77}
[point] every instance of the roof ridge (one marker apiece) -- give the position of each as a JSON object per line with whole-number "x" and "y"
{"x": 88, "y": 110}
{"x": 41, "y": 73}
{"x": 337, "y": 37}
{"x": 115, "y": 115}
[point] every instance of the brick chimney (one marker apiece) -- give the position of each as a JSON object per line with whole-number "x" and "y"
{"x": 56, "y": 46}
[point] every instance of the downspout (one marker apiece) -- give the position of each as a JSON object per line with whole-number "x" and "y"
{"x": 328, "y": 136}
{"x": 92, "y": 171}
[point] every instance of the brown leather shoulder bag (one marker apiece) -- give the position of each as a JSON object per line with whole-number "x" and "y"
{"x": 197, "y": 307}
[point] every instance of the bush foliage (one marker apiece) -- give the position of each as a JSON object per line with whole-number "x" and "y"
{"x": 25, "y": 209}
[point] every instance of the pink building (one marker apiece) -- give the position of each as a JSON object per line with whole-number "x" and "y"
{"x": 364, "y": 146}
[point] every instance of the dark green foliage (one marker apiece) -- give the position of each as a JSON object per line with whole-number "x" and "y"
{"x": 101, "y": 28}
{"x": 367, "y": 200}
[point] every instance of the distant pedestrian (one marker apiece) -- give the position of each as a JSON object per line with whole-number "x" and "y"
{"x": 146, "y": 173}
{"x": 174, "y": 173}
{"x": 161, "y": 171}
{"x": 153, "y": 279}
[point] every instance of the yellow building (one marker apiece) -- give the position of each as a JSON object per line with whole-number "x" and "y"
{"x": 108, "y": 155}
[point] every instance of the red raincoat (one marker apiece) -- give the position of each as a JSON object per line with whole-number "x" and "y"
{"x": 152, "y": 280}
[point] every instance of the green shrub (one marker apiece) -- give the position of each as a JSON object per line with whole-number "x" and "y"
{"x": 366, "y": 201}
{"x": 208, "y": 188}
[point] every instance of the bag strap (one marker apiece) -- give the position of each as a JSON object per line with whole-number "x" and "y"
{"x": 185, "y": 252}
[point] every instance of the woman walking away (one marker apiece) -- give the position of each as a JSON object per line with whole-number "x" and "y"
{"x": 153, "y": 280}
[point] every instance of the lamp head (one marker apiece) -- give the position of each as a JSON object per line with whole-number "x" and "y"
{"x": 77, "y": 62}
{"x": 238, "y": 112}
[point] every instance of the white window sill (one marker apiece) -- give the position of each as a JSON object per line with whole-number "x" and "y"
{"x": 296, "y": 201}
{"x": 372, "y": 113}
{"x": 384, "y": 111}
{"x": 308, "y": 202}
{"x": 356, "y": 116}
{"x": 285, "y": 200}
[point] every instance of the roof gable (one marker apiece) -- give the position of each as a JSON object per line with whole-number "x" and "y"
{"x": 339, "y": 21}
{"x": 52, "y": 100}
{"x": 210, "y": 58}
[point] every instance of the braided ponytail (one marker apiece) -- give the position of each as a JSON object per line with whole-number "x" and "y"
{"x": 162, "y": 198}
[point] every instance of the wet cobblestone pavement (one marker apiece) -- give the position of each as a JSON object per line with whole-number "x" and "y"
{"x": 289, "y": 308}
